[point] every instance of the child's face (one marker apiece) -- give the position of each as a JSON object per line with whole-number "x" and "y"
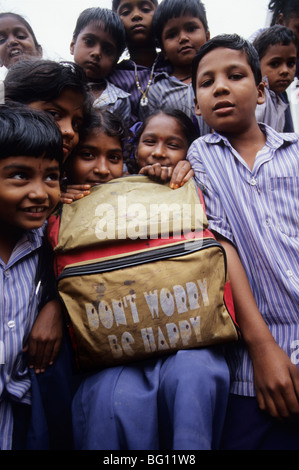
{"x": 293, "y": 24}
{"x": 99, "y": 159}
{"x": 16, "y": 42}
{"x": 162, "y": 141}
{"x": 279, "y": 65}
{"x": 137, "y": 18}
{"x": 29, "y": 191}
{"x": 226, "y": 92}
{"x": 95, "y": 50}
{"x": 181, "y": 38}
{"x": 67, "y": 111}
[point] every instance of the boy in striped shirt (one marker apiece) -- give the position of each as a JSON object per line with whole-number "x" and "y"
{"x": 30, "y": 159}
{"x": 249, "y": 173}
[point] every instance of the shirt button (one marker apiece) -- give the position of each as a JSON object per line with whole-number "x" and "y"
{"x": 253, "y": 182}
{"x": 289, "y": 273}
{"x": 11, "y": 324}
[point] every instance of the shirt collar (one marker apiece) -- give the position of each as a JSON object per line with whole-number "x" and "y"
{"x": 274, "y": 139}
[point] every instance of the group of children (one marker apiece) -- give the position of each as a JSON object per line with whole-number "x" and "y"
{"x": 212, "y": 109}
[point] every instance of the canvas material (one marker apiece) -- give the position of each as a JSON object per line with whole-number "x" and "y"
{"x": 128, "y": 314}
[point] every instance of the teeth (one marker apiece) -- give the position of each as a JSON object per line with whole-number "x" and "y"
{"x": 35, "y": 209}
{"x": 15, "y": 53}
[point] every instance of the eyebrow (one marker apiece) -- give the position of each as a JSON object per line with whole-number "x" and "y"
{"x": 17, "y": 166}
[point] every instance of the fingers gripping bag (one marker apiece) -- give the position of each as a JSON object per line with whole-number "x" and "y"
{"x": 139, "y": 272}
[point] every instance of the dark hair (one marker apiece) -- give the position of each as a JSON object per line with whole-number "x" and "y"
{"x": 185, "y": 122}
{"x": 115, "y": 4}
{"x": 25, "y": 23}
{"x": 228, "y": 41}
{"x": 276, "y": 34}
{"x": 28, "y": 132}
{"x": 106, "y": 122}
{"x": 288, "y": 8}
{"x": 168, "y": 9}
{"x": 43, "y": 80}
{"x": 110, "y": 20}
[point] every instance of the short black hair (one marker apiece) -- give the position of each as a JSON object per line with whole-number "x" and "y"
{"x": 27, "y": 132}
{"x": 110, "y": 20}
{"x": 276, "y": 34}
{"x": 168, "y": 9}
{"x": 288, "y": 8}
{"x": 228, "y": 41}
{"x": 115, "y": 4}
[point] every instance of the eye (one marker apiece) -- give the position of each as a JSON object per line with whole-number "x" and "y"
{"x": 2, "y": 39}
{"x": 206, "y": 83}
{"x": 18, "y": 175}
{"x": 291, "y": 63}
{"x": 52, "y": 177}
{"x": 86, "y": 155}
{"x": 89, "y": 41}
{"x": 236, "y": 76}
{"x": 115, "y": 158}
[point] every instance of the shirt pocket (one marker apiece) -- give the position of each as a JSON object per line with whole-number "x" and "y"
{"x": 284, "y": 192}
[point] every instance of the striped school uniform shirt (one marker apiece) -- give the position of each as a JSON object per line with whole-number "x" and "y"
{"x": 19, "y": 300}
{"x": 168, "y": 91}
{"x": 116, "y": 101}
{"x": 257, "y": 210}
{"x": 123, "y": 77}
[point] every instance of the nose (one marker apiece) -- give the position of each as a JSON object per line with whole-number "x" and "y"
{"x": 38, "y": 191}
{"x": 284, "y": 69}
{"x": 136, "y": 15}
{"x": 66, "y": 128}
{"x": 221, "y": 87}
{"x": 96, "y": 52}
{"x": 101, "y": 167}
{"x": 183, "y": 36}
{"x": 159, "y": 150}
{"x": 11, "y": 40}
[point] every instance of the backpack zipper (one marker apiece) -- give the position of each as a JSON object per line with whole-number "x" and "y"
{"x": 140, "y": 258}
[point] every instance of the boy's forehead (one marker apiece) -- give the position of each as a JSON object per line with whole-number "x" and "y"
{"x": 136, "y": 2}
{"x": 217, "y": 58}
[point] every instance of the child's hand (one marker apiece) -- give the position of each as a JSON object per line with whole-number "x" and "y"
{"x": 74, "y": 192}
{"x": 157, "y": 172}
{"x": 182, "y": 172}
{"x": 45, "y": 337}
{"x": 276, "y": 381}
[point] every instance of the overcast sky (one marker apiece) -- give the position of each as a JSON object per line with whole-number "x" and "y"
{"x": 53, "y": 21}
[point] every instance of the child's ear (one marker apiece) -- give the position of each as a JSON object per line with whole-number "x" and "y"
{"x": 197, "y": 108}
{"x": 72, "y": 45}
{"x": 261, "y": 93}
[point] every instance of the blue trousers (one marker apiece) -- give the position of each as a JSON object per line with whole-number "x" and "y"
{"x": 176, "y": 402}
{"x": 248, "y": 428}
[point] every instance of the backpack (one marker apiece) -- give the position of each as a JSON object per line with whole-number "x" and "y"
{"x": 139, "y": 272}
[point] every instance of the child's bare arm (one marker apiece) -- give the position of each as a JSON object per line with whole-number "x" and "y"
{"x": 46, "y": 336}
{"x": 276, "y": 377}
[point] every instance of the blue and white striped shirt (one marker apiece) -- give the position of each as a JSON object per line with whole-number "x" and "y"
{"x": 19, "y": 302}
{"x": 168, "y": 91}
{"x": 116, "y": 101}
{"x": 257, "y": 210}
{"x": 123, "y": 77}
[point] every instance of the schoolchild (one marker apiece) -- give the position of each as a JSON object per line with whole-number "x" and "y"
{"x": 277, "y": 50}
{"x": 180, "y": 29}
{"x": 60, "y": 89}
{"x": 98, "y": 42}
{"x": 249, "y": 171}
{"x": 30, "y": 161}
{"x": 135, "y": 74}
{"x": 160, "y": 147}
{"x": 174, "y": 402}
{"x": 99, "y": 156}
{"x": 17, "y": 40}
